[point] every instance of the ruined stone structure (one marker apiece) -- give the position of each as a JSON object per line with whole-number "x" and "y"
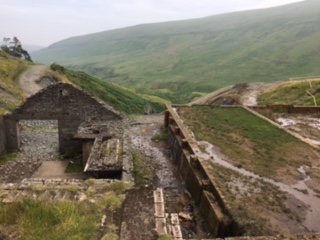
{"x": 102, "y": 147}
{"x": 84, "y": 124}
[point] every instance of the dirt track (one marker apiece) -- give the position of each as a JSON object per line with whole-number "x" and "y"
{"x": 27, "y": 80}
{"x": 243, "y": 94}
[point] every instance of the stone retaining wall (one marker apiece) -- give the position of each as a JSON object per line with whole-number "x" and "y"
{"x": 2, "y": 137}
{"x": 199, "y": 183}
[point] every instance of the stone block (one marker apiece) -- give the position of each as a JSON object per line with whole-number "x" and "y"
{"x": 158, "y": 195}
{"x": 161, "y": 226}
{"x": 159, "y": 210}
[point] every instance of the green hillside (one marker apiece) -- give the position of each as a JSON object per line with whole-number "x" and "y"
{"x": 299, "y": 92}
{"x": 121, "y": 99}
{"x": 182, "y": 59}
{"x": 124, "y": 100}
{"x": 11, "y": 95}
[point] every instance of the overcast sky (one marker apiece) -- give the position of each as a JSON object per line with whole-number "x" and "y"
{"x": 43, "y": 22}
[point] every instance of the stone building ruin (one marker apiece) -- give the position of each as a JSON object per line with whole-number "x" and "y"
{"x": 84, "y": 125}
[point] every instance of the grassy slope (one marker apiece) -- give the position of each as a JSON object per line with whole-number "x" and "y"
{"x": 10, "y": 94}
{"x": 117, "y": 97}
{"x": 122, "y": 99}
{"x": 248, "y": 141}
{"x": 293, "y": 92}
{"x": 33, "y": 218}
{"x": 175, "y": 59}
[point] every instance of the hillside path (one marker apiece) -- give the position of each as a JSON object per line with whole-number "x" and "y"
{"x": 248, "y": 93}
{"x": 28, "y": 80}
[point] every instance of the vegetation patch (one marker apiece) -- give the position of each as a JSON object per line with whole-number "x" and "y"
{"x": 117, "y": 187}
{"x": 74, "y": 167}
{"x": 165, "y": 237}
{"x": 160, "y": 137}
{"x": 138, "y": 163}
{"x": 250, "y": 141}
{"x": 141, "y": 172}
{"x": 7, "y": 157}
{"x": 11, "y": 95}
{"x": 303, "y": 93}
{"x": 65, "y": 219}
{"x": 34, "y": 219}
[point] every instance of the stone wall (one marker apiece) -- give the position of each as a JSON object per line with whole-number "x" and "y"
{"x": 64, "y": 99}
{"x": 198, "y": 180}
{"x": 2, "y": 137}
{"x": 61, "y": 102}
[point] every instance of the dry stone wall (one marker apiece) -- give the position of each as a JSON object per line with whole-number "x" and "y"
{"x": 2, "y": 136}
{"x": 65, "y": 100}
{"x": 62, "y": 102}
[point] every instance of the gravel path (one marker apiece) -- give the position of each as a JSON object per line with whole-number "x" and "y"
{"x": 28, "y": 80}
{"x": 157, "y": 159}
{"x": 248, "y": 94}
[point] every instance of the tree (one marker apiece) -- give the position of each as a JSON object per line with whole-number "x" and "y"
{"x": 14, "y": 48}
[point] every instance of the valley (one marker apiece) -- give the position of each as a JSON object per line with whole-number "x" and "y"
{"x": 179, "y": 61}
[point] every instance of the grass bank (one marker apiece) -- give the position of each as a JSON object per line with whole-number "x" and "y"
{"x": 249, "y": 141}
{"x": 299, "y": 93}
{"x": 118, "y": 97}
{"x": 11, "y": 95}
{"x": 65, "y": 219}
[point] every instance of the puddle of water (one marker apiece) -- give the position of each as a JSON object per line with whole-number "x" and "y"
{"x": 310, "y": 198}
